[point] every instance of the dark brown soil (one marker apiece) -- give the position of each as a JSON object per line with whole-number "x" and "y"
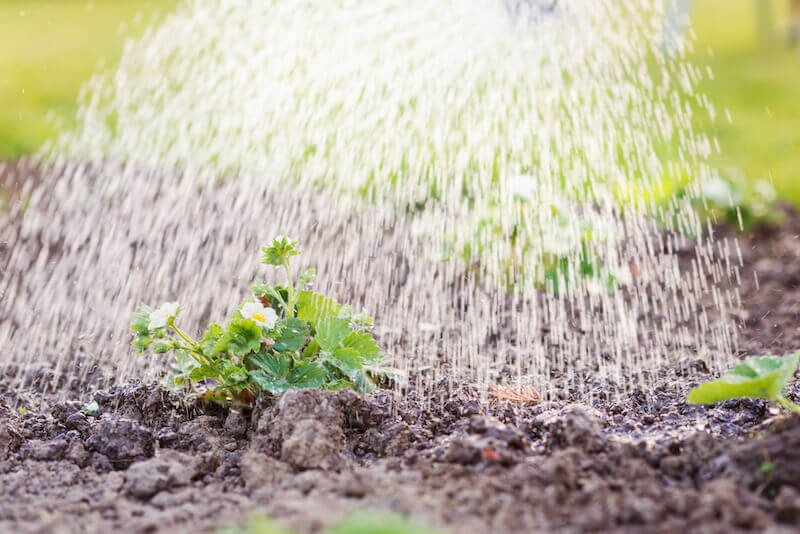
{"x": 148, "y": 461}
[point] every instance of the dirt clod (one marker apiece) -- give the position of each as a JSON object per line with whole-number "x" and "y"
{"x": 122, "y": 441}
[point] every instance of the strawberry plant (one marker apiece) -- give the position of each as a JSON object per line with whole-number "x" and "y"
{"x": 279, "y": 337}
{"x": 763, "y": 377}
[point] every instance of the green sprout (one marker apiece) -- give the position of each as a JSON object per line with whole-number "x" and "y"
{"x": 354, "y": 523}
{"x": 280, "y": 337}
{"x": 763, "y": 377}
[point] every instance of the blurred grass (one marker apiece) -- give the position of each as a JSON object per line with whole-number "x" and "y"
{"x": 758, "y": 82}
{"x": 50, "y": 48}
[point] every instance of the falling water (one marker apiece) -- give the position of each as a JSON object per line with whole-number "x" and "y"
{"x": 483, "y": 177}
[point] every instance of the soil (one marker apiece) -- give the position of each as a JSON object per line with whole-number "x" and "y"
{"x": 148, "y": 460}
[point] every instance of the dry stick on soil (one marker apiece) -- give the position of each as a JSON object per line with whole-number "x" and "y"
{"x": 522, "y": 395}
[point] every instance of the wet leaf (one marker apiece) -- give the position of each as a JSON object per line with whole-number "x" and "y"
{"x": 244, "y": 336}
{"x": 142, "y": 342}
{"x": 330, "y": 332}
{"x": 363, "y": 344}
{"x": 292, "y": 335}
{"x": 210, "y": 340}
{"x": 269, "y": 383}
{"x": 207, "y": 370}
{"x": 307, "y": 375}
{"x": 762, "y": 377}
{"x": 276, "y": 365}
{"x": 140, "y": 320}
{"x": 313, "y": 308}
{"x": 347, "y": 360}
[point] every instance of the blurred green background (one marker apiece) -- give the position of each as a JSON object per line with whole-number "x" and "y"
{"x": 48, "y": 49}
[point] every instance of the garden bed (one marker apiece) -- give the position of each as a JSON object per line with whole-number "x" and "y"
{"x": 145, "y": 460}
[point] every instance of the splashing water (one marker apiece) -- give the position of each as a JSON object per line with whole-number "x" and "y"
{"x": 484, "y": 177}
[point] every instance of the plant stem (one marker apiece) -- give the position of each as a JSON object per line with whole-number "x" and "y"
{"x": 789, "y": 405}
{"x": 279, "y": 297}
{"x": 199, "y": 356}
{"x": 290, "y": 284}
{"x": 181, "y": 333}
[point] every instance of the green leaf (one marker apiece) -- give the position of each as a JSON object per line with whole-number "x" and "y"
{"x": 279, "y": 251}
{"x": 292, "y": 334}
{"x": 207, "y": 370}
{"x": 307, "y": 375}
{"x": 233, "y": 373}
{"x": 363, "y": 344}
{"x": 211, "y": 338}
{"x": 276, "y": 365}
{"x": 311, "y": 350}
{"x": 330, "y": 332}
{"x": 364, "y": 384}
{"x": 184, "y": 362}
{"x": 761, "y": 377}
{"x": 140, "y": 321}
{"x": 161, "y": 348}
{"x": 348, "y": 361}
{"x": 313, "y": 308}
{"x": 269, "y": 383}
{"x": 244, "y": 336}
{"x": 142, "y": 342}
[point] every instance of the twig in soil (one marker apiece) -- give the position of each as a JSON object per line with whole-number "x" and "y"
{"x": 521, "y": 395}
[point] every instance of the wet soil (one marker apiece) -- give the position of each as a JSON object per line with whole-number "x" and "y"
{"x": 144, "y": 459}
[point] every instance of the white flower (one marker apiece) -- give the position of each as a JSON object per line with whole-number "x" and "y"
{"x": 159, "y": 317}
{"x": 259, "y": 313}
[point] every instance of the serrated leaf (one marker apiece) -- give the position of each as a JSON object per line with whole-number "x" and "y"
{"x": 348, "y": 361}
{"x": 364, "y": 344}
{"x": 269, "y": 383}
{"x": 330, "y": 332}
{"x": 311, "y": 350}
{"x": 207, "y": 370}
{"x": 293, "y": 334}
{"x": 313, "y": 308}
{"x": 244, "y": 336}
{"x": 211, "y": 338}
{"x": 233, "y": 373}
{"x": 142, "y": 342}
{"x": 762, "y": 377}
{"x": 307, "y": 375}
{"x": 276, "y": 365}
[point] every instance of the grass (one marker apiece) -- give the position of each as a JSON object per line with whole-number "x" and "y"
{"x": 758, "y": 82}
{"x": 50, "y": 48}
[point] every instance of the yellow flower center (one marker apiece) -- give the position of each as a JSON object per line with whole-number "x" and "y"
{"x": 260, "y": 317}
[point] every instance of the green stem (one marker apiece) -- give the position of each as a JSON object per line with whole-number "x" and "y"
{"x": 789, "y": 405}
{"x": 181, "y": 333}
{"x": 199, "y": 356}
{"x": 278, "y": 296}
{"x": 290, "y": 284}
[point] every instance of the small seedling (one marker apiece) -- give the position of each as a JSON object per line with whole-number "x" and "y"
{"x": 763, "y": 377}
{"x": 280, "y": 337}
{"x": 90, "y": 408}
{"x": 766, "y": 467}
{"x": 23, "y": 410}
